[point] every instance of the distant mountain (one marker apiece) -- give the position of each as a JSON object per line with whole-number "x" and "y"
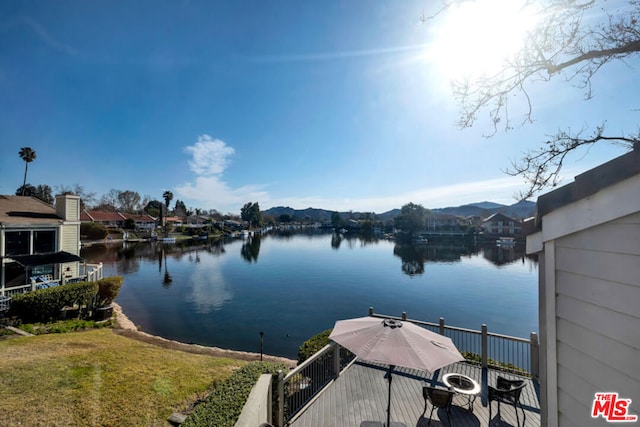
{"x": 520, "y": 210}
{"x": 483, "y": 209}
{"x": 309, "y": 213}
{"x": 487, "y": 205}
{"x": 389, "y": 215}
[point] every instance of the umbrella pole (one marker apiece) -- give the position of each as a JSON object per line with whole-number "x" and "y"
{"x": 389, "y": 396}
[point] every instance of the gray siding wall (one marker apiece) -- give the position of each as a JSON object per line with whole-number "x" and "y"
{"x": 598, "y": 317}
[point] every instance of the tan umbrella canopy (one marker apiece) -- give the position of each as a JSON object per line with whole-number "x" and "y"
{"x": 395, "y": 343}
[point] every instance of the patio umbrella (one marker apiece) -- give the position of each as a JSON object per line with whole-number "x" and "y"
{"x": 395, "y": 343}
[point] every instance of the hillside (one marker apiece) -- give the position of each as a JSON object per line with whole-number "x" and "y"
{"x": 520, "y": 210}
{"x": 524, "y": 209}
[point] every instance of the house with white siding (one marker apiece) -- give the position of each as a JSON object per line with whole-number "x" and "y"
{"x": 40, "y": 244}
{"x": 587, "y": 237}
{"x": 501, "y": 225}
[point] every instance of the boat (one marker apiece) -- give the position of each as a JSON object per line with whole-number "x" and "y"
{"x": 506, "y": 242}
{"x": 168, "y": 239}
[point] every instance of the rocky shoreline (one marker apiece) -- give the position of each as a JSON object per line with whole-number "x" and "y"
{"x": 125, "y": 327}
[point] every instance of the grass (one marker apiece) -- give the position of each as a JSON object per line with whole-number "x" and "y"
{"x": 98, "y": 378}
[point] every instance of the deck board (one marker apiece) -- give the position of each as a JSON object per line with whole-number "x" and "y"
{"x": 358, "y": 398}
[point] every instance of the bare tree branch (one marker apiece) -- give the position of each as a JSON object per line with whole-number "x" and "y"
{"x": 541, "y": 167}
{"x": 573, "y": 40}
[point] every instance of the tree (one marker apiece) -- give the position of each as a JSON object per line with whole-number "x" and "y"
{"x": 412, "y": 218}
{"x": 27, "y": 154}
{"x": 86, "y": 199}
{"x": 572, "y": 41}
{"x": 285, "y": 218}
{"x": 180, "y": 209}
{"x": 336, "y": 220}
{"x": 42, "y": 192}
{"x": 250, "y": 212}
{"x": 167, "y": 196}
{"x": 153, "y": 208}
{"x": 128, "y": 201}
{"x": 110, "y": 201}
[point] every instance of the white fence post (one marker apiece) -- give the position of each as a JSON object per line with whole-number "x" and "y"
{"x": 535, "y": 357}
{"x": 280, "y": 422}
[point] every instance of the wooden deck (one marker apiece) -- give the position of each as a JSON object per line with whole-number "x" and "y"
{"x": 358, "y": 398}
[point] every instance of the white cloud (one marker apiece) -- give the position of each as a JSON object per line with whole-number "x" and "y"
{"x": 209, "y": 159}
{"x": 209, "y": 156}
{"x": 212, "y": 192}
{"x": 209, "y": 290}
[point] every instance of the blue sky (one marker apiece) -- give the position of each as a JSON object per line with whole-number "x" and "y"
{"x": 341, "y": 105}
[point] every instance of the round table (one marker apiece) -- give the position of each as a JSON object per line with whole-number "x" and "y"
{"x": 464, "y": 386}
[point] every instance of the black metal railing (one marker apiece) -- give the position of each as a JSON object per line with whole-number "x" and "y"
{"x": 303, "y": 383}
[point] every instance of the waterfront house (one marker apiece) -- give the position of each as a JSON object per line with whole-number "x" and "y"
{"x": 175, "y": 221}
{"x": 40, "y": 244}
{"x": 116, "y": 219}
{"x": 103, "y": 218}
{"x": 587, "y": 237}
{"x": 198, "y": 221}
{"x": 501, "y": 225}
{"x": 142, "y": 222}
{"x": 443, "y": 222}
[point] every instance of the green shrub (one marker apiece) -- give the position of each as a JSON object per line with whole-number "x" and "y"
{"x": 45, "y": 304}
{"x": 224, "y": 405}
{"x": 108, "y": 289}
{"x": 62, "y": 326}
{"x": 93, "y": 231}
{"x": 313, "y": 345}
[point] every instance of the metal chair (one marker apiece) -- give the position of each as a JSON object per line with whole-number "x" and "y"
{"x": 507, "y": 391}
{"x": 439, "y": 398}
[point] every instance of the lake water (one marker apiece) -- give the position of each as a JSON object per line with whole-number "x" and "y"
{"x": 292, "y": 286}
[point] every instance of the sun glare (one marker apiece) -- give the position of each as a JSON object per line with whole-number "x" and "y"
{"x": 475, "y": 38}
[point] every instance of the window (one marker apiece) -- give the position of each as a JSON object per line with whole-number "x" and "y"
{"x": 14, "y": 275}
{"x": 44, "y": 241}
{"x": 16, "y": 242}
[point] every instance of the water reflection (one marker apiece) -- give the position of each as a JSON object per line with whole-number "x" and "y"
{"x": 291, "y": 292}
{"x": 504, "y": 255}
{"x": 126, "y": 257}
{"x": 167, "y": 279}
{"x": 251, "y": 248}
{"x": 336, "y": 239}
{"x": 352, "y": 240}
{"x": 415, "y": 256}
{"x": 209, "y": 290}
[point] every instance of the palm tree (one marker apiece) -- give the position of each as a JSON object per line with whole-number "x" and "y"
{"x": 167, "y": 196}
{"x": 27, "y": 154}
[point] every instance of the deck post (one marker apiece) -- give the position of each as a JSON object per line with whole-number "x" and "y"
{"x": 441, "y": 326}
{"x": 280, "y": 421}
{"x": 370, "y": 311}
{"x": 404, "y": 315}
{"x": 336, "y": 360}
{"x": 485, "y": 350}
{"x": 535, "y": 357}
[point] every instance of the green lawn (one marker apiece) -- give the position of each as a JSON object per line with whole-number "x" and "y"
{"x": 98, "y": 378}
